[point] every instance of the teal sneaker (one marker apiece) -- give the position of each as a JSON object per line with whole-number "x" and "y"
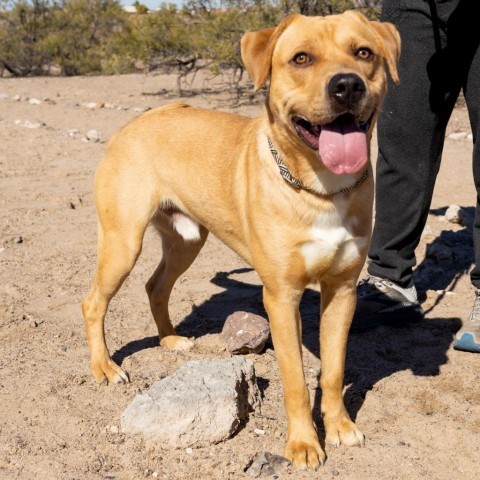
{"x": 467, "y": 338}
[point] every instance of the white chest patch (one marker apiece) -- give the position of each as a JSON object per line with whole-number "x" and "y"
{"x": 331, "y": 245}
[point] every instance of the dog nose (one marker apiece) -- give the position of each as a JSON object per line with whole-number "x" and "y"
{"x": 346, "y": 89}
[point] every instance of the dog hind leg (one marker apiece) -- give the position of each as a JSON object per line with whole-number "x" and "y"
{"x": 117, "y": 253}
{"x": 180, "y": 248}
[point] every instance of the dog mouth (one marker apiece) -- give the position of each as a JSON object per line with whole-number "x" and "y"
{"x": 341, "y": 144}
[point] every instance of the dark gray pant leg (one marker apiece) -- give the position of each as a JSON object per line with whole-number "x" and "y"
{"x": 471, "y": 91}
{"x": 411, "y": 131}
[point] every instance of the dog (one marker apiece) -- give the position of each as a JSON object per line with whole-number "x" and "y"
{"x": 291, "y": 192}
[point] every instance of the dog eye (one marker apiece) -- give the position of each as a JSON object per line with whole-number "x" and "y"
{"x": 302, "y": 59}
{"x": 364, "y": 53}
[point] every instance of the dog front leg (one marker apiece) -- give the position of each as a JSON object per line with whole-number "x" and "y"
{"x": 303, "y": 448}
{"x": 338, "y": 306}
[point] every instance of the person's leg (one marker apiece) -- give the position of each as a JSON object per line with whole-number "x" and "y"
{"x": 411, "y": 132}
{"x": 468, "y": 337}
{"x": 471, "y": 92}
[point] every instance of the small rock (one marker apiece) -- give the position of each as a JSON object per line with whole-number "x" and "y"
{"x": 92, "y": 136}
{"x": 458, "y": 135}
{"x": 141, "y": 109}
{"x": 4, "y": 96}
{"x": 189, "y": 450}
{"x": 266, "y": 464}
{"x": 454, "y": 214}
{"x": 245, "y": 332}
{"x": 335, "y": 473}
{"x": 427, "y": 231}
{"x": 470, "y": 136}
{"x": 93, "y": 105}
{"x": 259, "y": 432}
{"x": 34, "y": 101}
{"x": 114, "y": 429}
{"x": 73, "y": 132}
{"x": 17, "y": 98}
{"x": 30, "y": 123}
{"x": 18, "y": 240}
{"x": 439, "y": 252}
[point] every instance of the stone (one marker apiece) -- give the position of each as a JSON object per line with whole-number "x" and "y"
{"x": 34, "y": 101}
{"x": 93, "y": 105}
{"x": 245, "y": 332}
{"x": 92, "y": 136}
{"x": 141, "y": 109}
{"x": 35, "y": 124}
{"x": 439, "y": 252}
{"x": 266, "y": 464}
{"x": 73, "y": 132}
{"x": 204, "y": 402}
{"x": 455, "y": 214}
{"x": 427, "y": 231}
{"x": 458, "y": 135}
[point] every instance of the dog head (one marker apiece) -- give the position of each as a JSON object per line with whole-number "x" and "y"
{"x": 327, "y": 81}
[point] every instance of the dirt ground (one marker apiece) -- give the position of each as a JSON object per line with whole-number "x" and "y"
{"x": 416, "y": 399}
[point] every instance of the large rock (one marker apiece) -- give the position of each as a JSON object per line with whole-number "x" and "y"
{"x": 202, "y": 403}
{"x": 245, "y": 332}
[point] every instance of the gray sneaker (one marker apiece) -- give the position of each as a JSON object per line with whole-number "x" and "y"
{"x": 382, "y": 302}
{"x": 468, "y": 337}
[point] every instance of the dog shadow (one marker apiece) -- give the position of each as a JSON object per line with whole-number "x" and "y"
{"x": 372, "y": 355}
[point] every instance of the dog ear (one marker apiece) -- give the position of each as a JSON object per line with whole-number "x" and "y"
{"x": 257, "y": 50}
{"x": 390, "y": 43}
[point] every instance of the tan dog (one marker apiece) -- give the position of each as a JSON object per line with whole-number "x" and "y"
{"x": 291, "y": 192}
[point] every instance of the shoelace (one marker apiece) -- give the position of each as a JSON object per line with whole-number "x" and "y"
{"x": 366, "y": 286}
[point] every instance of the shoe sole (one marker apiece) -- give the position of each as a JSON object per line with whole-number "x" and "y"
{"x": 402, "y": 317}
{"x": 467, "y": 343}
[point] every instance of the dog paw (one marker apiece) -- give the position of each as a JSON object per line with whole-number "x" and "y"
{"x": 177, "y": 342}
{"x": 343, "y": 431}
{"x": 305, "y": 454}
{"x": 109, "y": 372}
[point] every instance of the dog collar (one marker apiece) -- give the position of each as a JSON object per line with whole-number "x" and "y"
{"x": 299, "y": 185}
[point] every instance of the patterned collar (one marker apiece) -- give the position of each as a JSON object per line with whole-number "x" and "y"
{"x": 287, "y": 176}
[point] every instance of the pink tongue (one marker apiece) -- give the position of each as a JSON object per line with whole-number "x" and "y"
{"x": 343, "y": 146}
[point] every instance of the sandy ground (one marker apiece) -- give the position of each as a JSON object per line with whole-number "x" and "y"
{"x": 416, "y": 399}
